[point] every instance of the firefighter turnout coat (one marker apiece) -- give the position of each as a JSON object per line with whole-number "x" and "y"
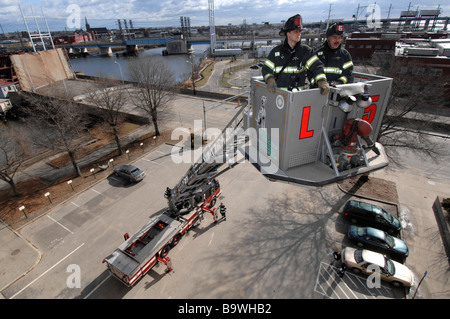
{"x": 338, "y": 65}
{"x": 290, "y": 67}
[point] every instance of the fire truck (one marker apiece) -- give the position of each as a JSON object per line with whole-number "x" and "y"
{"x": 298, "y": 137}
{"x": 152, "y": 243}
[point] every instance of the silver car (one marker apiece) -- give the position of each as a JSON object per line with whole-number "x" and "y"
{"x": 368, "y": 262}
{"x": 129, "y": 172}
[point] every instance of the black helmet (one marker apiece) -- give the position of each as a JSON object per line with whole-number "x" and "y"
{"x": 293, "y": 23}
{"x": 335, "y": 29}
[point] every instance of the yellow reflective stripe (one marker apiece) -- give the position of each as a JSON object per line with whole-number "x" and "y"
{"x": 343, "y": 79}
{"x": 289, "y": 69}
{"x": 332, "y": 70}
{"x": 320, "y": 76}
{"x": 347, "y": 65}
{"x": 313, "y": 59}
{"x": 267, "y": 76}
{"x": 269, "y": 64}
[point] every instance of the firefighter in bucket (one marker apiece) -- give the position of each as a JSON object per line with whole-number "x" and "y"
{"x": 289, "y": 63}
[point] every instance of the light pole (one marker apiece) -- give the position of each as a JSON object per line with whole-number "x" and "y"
{"x": 120, "y": 69}
{"x": 192, "y": 74}
{"x": 424, "y": 275}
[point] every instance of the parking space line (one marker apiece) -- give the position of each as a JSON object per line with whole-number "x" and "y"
{"x": 349, "y": 289}
{"x": 75, "y": 204}
{"x": 349, "y": 278}
{"x": 210, "y": 241}
{"x": 60, "y": 224}
{"x": 96, "y": 287}
{"x": 45, "y": 272}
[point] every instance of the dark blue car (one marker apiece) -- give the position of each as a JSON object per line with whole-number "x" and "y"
{"x": 379, "y": 240}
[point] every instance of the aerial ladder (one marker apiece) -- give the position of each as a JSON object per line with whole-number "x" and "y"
{"x": 217, "y": 158}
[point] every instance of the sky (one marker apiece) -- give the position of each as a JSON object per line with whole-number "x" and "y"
{"x": 69, "y": 14}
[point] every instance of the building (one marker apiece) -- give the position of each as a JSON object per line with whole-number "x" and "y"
{"x": 362, "y": 46}
{"x": 79, "y": 36}
{"x": 98, "y": 33}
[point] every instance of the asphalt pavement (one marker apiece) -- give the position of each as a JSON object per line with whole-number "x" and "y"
{"x": 417, "y": 190}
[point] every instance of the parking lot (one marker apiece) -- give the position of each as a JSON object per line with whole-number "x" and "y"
{"x": 351, "y": 286}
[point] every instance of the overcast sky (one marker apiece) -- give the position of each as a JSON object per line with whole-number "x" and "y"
{"x": 65, "y": 14}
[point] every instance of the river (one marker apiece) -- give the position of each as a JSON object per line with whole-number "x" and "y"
{"x": 114, "y": 66}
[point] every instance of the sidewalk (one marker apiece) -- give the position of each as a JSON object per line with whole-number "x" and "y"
{"x": 17, "y": 256}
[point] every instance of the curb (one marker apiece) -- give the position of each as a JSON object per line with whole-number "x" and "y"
{"x": 442, "y": 225}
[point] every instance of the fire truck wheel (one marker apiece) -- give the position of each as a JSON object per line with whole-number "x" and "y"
{"x": 176, "y": 239}
{"x": 213, "y": 202}
{"x": 164, "y": 252}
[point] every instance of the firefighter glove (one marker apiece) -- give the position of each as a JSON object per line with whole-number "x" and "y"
{"x": 324, "y": 87}
{"x": 271, "y": 85}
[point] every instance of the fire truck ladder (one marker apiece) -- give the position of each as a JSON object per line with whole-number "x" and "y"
{"x": 186, "y": 195}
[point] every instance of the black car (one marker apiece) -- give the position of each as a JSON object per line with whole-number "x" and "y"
{"x": 371, "y": 215}
{"x": 379, "y": 240}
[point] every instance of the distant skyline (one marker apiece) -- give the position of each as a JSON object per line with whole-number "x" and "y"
{"x": 61, "y": 15}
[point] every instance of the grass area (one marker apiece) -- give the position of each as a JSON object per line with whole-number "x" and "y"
{"x": 228, "y": 72}
{"x": 206, "y": 73}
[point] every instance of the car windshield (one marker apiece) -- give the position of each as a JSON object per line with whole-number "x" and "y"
{"x": 390, "y": 268}
{"x": 361, "y": 231}
{"x": 358, "y": 256}
{"x": 135, "y": 172}
{"x": 381, "y": 212}
{"x": 390, "y": 240}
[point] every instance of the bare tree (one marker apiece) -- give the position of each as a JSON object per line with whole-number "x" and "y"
{"x": 14, "y": 150}
{"x": 110, "y": 98}
{"x": 62, "y": 124}
{"x": 154, "y": 86}
{"x": 411, "y": 111}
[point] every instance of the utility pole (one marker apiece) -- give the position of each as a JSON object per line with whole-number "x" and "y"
{"x": 389, "y": 15}
{"x": 212, "y": 26}
{"x": 328, "y": 19}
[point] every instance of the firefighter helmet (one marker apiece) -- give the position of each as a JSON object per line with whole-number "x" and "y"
{"x": 293, "y": 23}
{"x": 335, "y": 29}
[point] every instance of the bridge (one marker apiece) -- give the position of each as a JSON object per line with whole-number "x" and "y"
{"x": 131, "y": 45}
{"x": 105, "y": 48}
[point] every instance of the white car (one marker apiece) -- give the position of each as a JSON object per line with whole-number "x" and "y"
{"x": 368, "y": 262}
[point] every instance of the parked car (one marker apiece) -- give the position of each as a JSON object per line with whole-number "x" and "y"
{"x": 129, "y": 172}
{"x": 371, "y": 215}
{"x": 379, "y": 240}
{"x": 369, "y": 262}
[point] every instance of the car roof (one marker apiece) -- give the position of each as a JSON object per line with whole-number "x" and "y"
{"x": 373, "y": 257}
{"x": 128, "y": 167}
{"x": 373, "y": 232}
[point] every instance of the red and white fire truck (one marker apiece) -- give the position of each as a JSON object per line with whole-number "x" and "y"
{"x": 152, "y": 243}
